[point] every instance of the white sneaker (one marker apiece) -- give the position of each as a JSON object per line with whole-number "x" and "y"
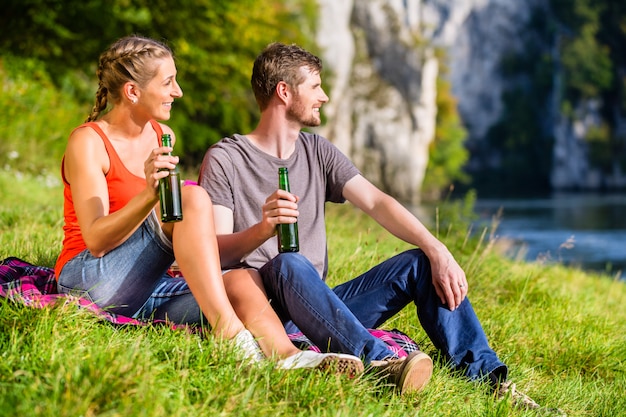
{"x": 338, "y": 362}
{"x": 248, "y": 346}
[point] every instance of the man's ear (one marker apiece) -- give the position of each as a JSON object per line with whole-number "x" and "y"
{"x": 283, "y": 91}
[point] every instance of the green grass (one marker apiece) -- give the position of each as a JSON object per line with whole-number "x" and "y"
{"x": 562, "y": 332}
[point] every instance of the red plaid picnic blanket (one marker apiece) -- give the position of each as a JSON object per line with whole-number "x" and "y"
{"x": 36, "y": 286}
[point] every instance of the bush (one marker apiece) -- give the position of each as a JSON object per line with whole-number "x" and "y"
{"x": 35, "y": 117}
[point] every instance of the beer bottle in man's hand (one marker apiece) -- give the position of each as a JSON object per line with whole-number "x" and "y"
{"x": 287, "y": 233}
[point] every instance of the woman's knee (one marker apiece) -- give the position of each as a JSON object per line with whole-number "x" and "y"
{"x": 241, "y": 281}
{"x": 196, "y": 198}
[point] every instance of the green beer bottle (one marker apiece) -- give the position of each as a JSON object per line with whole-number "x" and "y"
{"x": 169, "y": 191}
{"x": 287, "y": 233}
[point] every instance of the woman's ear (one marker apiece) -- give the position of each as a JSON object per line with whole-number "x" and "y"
{"x": 131, "y": 92}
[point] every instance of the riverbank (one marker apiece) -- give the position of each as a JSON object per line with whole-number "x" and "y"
{"x": 580, "y": 230}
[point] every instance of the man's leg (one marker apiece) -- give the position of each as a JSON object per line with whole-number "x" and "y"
{"x": 297, "y": 293}
{"x": 383, "y": 291}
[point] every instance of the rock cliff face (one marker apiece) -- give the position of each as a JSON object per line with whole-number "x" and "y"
{"x": 382, "y": 110}
{"x": 476, "y": 34}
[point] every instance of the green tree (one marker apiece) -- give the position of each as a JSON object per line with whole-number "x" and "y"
{"x": 447, "y": 154}
{"x": 612, "y": 33}
{"x": 215, "y": 43}
{"x": 524, "y": 151}
{"x": 582, "y": 43}
{"x": 593, "y": 55}
{"x": 35, "y": 118}
{"x": 587, "y": 65}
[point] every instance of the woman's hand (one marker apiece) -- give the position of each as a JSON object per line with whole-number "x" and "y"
{"x": 157, "y": 166}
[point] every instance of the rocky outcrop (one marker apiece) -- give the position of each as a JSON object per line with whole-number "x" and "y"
{"x": 570, "y": 166}
{"x": 380, "y": 61}
{"x": 382, "y": 110}
{"x": 571, "y": 169}
{"x": 383, "y": 72}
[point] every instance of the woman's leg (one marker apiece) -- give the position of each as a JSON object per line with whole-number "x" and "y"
{"x": 246, "y": 294}
{"x": 125, "y": 278}
{"x": 195, "y": 248}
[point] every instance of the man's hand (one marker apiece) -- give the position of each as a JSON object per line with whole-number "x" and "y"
{"x": 448, "y": 278}
{"x": 280, "y": 208}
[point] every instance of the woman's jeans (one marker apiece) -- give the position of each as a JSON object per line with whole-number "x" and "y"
{"x": 132, "y": 279}
{"x": 337, "y": 319}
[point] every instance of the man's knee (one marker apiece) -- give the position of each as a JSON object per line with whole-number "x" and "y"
{"x": 414, "y": 267}
{"x": 290, "y": 258}
{"x": 415, "y": 257}
{"x": 290, "y": 261}
{"x": 287, "y": 266}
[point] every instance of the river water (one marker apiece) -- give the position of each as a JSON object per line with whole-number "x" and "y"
{"x": 582, "y": 230}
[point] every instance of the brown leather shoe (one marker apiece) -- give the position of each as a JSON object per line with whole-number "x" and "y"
{"x": 410, "y": 374}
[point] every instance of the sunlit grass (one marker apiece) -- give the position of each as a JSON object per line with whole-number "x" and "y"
{"x": 561, "y": 331}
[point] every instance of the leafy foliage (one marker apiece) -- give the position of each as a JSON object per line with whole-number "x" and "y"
{"x": 586, "y": 60}
{"x": 215, "y": 43}
{"x": 519, "y": 156}
{"x": 524, "y": 150}
{"x": 35, "y": 118}
{"x": 574, "y": 51}
{"x": 447, "y": 154}
{"x": 593, "y": 39}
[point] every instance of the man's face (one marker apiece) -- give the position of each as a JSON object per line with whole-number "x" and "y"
{"x": 308, "y": 98}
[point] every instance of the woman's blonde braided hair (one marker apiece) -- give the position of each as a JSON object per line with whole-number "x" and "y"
{"x": 131, "y": 58}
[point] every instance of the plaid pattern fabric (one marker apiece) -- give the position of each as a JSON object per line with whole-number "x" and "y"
{"x": 397, "y": 342}
{"x": 36, "y": 286}
{"x": 30, "y": 284}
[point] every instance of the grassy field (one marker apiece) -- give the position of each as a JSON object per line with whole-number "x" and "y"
{"x": 561, "y": 331}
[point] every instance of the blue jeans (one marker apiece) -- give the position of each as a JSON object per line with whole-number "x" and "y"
{"x": 337, "y": 319}
{"x": 131, "y": 280}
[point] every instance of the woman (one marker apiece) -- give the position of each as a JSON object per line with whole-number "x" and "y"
{"x": 116, "y": 252}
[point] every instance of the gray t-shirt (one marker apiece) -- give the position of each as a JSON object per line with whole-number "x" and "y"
{"x": 239, "y": 176}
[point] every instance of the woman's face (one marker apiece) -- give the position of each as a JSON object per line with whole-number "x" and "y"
{"x": 159, "y": 94}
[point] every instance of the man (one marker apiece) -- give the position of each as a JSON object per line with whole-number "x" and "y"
{"x": 241, "y": 175}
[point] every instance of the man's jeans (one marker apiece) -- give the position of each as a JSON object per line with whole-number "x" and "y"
{"x": 337, "y": 319}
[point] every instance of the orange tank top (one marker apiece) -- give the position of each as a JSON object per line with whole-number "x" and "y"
{"x": 122, "y": 186}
